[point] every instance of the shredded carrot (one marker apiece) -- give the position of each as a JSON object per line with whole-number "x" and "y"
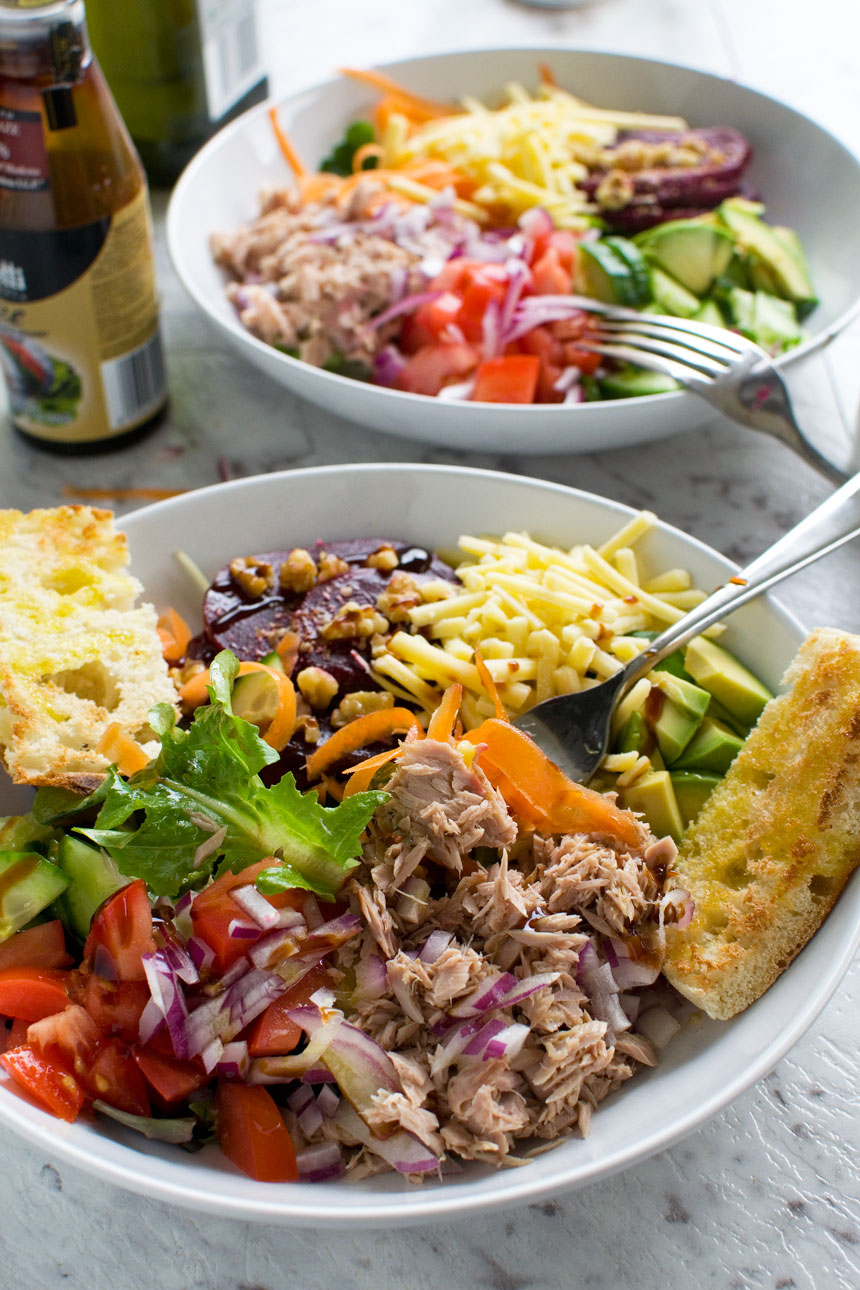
{"x": 364, "y": 730}
{"x": 362, "y": 773}
{"x": 363, "y": 153}
{"x": 291, "y": 157}
{"x": 545, "y": 73}
{"x": 379, "y": 81}
{"x": 123, "y": 494}
{"x": 441, "y": 725}
{"x": 277, "y": 734}
{"x": 287, "y": 650}
{"x": 490, "y": 685}
{"x": 175, "y": 635}
{"x": 122, "y": 750}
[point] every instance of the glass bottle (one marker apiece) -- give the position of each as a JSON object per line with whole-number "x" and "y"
{"x": 79, "y": 338}
{"x": 179, "y": 70}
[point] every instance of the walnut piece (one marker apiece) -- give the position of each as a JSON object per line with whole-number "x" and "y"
{"x": 359, "y": 704}
{"x": 354, "y": 620}
{"x": 331, "y": 566}
{"x": 400, "y": 595}
{"x": 255, "y": 577}
{"x": 298, "y": 571}
{"x": 318, "y": 686}
{"x": 385, "y": 558}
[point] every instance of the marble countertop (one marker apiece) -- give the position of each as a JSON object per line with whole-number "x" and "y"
{"x": 767, "y": 1195}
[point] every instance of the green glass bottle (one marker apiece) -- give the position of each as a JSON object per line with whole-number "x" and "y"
{"x": 179, "y": 70}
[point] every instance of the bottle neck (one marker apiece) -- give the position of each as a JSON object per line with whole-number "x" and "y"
{"x": 47, "y": 44}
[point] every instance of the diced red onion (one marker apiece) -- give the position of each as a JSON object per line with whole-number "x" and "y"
{"x": 629, "y": 972}
{"x": 679, "y": 899}
{"x": 151, "y": 1021}
{"x": 508, "y": 1043}
{"x": 491, "y": 333}
{"x": 311, "y": 911}
{"x": 241, "y": 931}
{"x": 433, "y": 947}
{"x": 457, "y": 391}
{"x": 274, "y": 946}
{"x": 323, "y": 998}
{"x": 331, "y": 935}
{"x": 211, "y": 1055}
{"x": 536, "y": 222}
{"x": 371, "y": 981}
{"x": 318, "y": 1075}
{"x": 359, "y": 1064}
{"x": 255, "y": 905}
{"x": 327, "y": 1101}
{"x": 202, "y": 955}
{"x": 234, "y": 1060}
{"x": 387, "y": 366}
{"x": 598, "y": 983}
{"x": 479, "y": 1041}
{"x": 322, "y": 1162}
{"x": 299, "y": 1099}
{"x": 518, "y": 275}
{"x": 402, "y": 1150}
{"x": 402, "y": 307}
{"x": 631, "y": 1004}
{"x": 657, "y": 1025}
{"x": 179, "y": 959}
{"x": 503, "y": 991}
{"x": 166, "y": 992}
{"x": 310, "y": 1119}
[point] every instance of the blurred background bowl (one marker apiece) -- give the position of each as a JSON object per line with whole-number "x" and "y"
{"x": 807, "y": 178}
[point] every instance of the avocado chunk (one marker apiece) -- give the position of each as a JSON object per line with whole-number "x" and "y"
{"x": 29, "y": 884}
{"x": 653, "y": 796}
{"x": 640, "y": 279}
{"x": 775, "y": 322}
{"x": 634, "y": 735}
{"x": 633, "y": 382}
{"x": 710, "y": 313}
{"x": 692, "y": 790}
{"x": 694, "y": 252}
{"x": 789, "y": 274}
{"x": 724, "y": 676}
{"x": 713, "y": 748}
{"x": 674, "y": 710}
{"x": 671, "y": 297}
{"x": 92, "y": 876}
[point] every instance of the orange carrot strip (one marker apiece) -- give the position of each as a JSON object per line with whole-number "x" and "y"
{"x": 174, "y": 633}
{"x": 379, "y": 81}
{"x": 545, "y": 73}
{"x": 361, "y": 155}
{"x": 362, "y": 773}
{"x": 291, "y": 157}
{"x": 287, "y": 650}
{"x": 121, "y": 750}
{"x": 441, "y": 725}
{"x": 539, "y": 793}
{"x": 123, "y": 494}
{"x": 490, "y": 685}
{"x": 364, "y": 730}
{"x": 194, "y": 693}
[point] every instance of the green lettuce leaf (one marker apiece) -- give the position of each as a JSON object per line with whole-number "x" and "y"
{"x": 201, "y": 802}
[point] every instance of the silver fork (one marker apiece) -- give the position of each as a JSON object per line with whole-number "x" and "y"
{"x": 574, "y": 729}
{"x": 727, "y": 370}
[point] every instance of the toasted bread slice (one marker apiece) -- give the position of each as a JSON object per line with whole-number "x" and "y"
{"x": 778, "y": 839}
{"x": 75, "y": 652}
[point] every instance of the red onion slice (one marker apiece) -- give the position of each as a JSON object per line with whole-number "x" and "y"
{"x": 433, "y": 947}
{"x": 322, "y": 1162}
{"x": 402, "y": 1150}
{"x": 503, "y": 991}
{"x": 371, "y": 980}
{"x": 254, "y": 904}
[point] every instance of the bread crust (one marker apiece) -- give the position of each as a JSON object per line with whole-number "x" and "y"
{"x": 779, "y": 837}
{"x": 76, "y": 652}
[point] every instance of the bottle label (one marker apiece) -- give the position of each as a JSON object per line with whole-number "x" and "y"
{"x": 232, "y": 64}
{"x": 81, "y": 353}
{"x": 23, "y": 159}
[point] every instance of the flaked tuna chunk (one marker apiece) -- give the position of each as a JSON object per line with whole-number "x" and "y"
{"x": 614, "y": 889}
{"x": 440, "y": 809}
{"x": 486, "y": 1098}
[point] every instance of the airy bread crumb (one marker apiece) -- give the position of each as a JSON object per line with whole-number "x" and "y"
{"x": 778, "y": 839}
{"x": 75, "y": 653}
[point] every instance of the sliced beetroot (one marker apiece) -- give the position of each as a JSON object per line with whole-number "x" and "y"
{"x": 695, "y": 188}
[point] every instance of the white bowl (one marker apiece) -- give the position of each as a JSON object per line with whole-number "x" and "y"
{"x": 706, "y": 1065}
{"x": 809, "y": 180}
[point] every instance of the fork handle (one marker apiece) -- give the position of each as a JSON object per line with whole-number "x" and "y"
{"x": 835, "y": 521}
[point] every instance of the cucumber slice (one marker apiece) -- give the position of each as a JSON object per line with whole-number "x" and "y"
{"x": 640, "y": 278}
{"x": 93, "y": 877}
{"x": 605, "y": 275}
{"x": 255, "y": 699}
{"x": 28, "y": 884}
{"x": 631, "y": 382}
{"x": 693, "y": 252}
{"x": 672, "y": 297}
{"x": 273, "y": 660}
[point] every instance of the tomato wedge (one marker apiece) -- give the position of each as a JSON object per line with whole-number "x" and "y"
{"x": 40, "y": 946}
{"x": 69, "y": 1038}
{"x": 273, "y": 1034}
{"x": 168, "y": 1077}
{"x": 115, "y": 1006}
{"x": 121, "y": 933}
{"x": 49, "y": 1083}
{"x": 115, "y": 1077}
{"x": 252, "y": 1133}
{"x": 33, "y": 993}
{"x": 213, "y": 910}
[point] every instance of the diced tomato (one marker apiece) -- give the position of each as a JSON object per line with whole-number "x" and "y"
{"x": 213, "y": 910}
{"x": 252, "y": 1133}
{"x": 550, "y": 351}
{"x": 69, "y": 1038}
{"x": 33, "y": 993}
{"x": 273, "y": 1033}
{"x": 563, "y": 242}
{"x": 115, "y": 1077}
{"x": 171, "y": 1079}
{"x": 40, "y": 946}
{"x": 121, "y": 933}
{"x": 433, "y": 318}
{"x": 549, "y": 277}
{"x": 480, "y": 289}
{"x": 15, "y": 1036}
{"x": 115, "y": 1006}
{"x": 46, "y": 1081}
{"x": 436, "y": 365}
{"x": 511, "y": 379}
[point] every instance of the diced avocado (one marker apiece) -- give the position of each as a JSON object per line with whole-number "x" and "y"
{"x": 741, "y": 306}
{"x": 671, "y": 297}
{"x": 693, "y": 252}
{"x": 632, "y": 382}
{"x": 674, "y": 663}
{"x": 93, "y": 877}
{"x": 724, "y": 676}
{"x": 790, "y": 276}
{"x": 735, "y": 274}
{"x": 634, "y": 259}
{"x": 721, "y": 713}
{"x": 634, "y": 735}
{"x": 255, "y": 698}
{"x": 711, "y": 313}
{"x": 28, "y": 884}
{"x": 775, "y": 322}
{"x": 653, "y": 796}
{"x": 692, "y": 790}
{"x": 678, "y": 712}
{"x": 605, "y": 276}
{"x": 747, "y": 205}
{"x": 713, "y": 748}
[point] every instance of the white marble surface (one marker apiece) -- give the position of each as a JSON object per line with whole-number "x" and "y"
{"x": 767, "y": 1195}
